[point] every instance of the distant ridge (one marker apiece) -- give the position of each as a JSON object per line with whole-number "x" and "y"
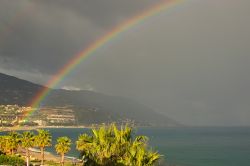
{"x": 16, "y": 91}
{"x": 89, "y": 107}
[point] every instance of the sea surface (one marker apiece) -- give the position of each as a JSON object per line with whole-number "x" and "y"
{"x": 208, "y": 146}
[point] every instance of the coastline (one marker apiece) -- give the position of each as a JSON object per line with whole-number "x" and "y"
{"x": 25, "y": 128}
{"x": 35, "y": 154}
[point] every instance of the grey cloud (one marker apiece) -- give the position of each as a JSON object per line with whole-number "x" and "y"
{"x": 36, "y": 31}
{"x": 103, "y": 13}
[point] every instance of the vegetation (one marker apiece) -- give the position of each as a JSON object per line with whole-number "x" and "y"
{"x": 105, "y": 146}
{"x": 110, "y": 146}
{"x": 62, "y": 147}
{"x": 11, "y": 160}
{"x": 9, "y": 143}
{"x": 42, "y": 140}
{"x": 12, "y": 142}
{"x": 27, "y": 141}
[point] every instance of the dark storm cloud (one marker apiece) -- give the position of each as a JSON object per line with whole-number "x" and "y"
{"x": 44, "y": 35}
{"x": 104, "y": 13}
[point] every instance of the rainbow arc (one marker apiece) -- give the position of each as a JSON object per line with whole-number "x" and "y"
{"x": 91, "y": 49}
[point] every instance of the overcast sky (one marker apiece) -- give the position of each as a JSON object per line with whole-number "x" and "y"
{"x": 191, "y": 62}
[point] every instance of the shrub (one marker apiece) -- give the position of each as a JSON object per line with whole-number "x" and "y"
{"x": 11, "y": 160}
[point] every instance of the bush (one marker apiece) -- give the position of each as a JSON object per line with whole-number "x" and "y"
{"x": 11, "y": 160}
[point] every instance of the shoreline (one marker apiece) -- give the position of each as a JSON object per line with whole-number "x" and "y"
{"x": 25, "y": 128}
{"x": 35, "y": 154}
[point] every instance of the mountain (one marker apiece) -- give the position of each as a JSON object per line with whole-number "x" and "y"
{"x": 89, "y": 107}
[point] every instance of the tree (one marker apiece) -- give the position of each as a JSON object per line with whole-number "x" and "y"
{"x": 27, "y": 141}
{"x": 137, "y": 154}
{"x": 3, "y": 146}
{"x": 62, "y": 147}
{"x": 109, "y": 145}
{"x": 12, "y": 141}
{"x": 9, "y": 143}
{"x": 42, "y": 140}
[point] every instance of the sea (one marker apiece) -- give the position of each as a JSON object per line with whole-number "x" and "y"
{"x": 189, "y": 146}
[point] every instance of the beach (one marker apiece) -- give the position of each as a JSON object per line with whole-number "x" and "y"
{"x": 35, "y": 157}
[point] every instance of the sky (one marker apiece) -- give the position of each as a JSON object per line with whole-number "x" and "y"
{"x": 190, "y": 62}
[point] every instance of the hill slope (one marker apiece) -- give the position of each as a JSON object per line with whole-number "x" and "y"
{"x": 89, "y": 107}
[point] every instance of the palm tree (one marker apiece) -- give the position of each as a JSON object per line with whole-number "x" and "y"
{"x": 98, "y": 148}
{"x": 42, "y": 140}
{"x": 1, "y": 143}
{"x": 85, "y": 145}
{"x": 139, "y": 155}
{"x": 12, "y": 141}
{"x": 27, "y": 141}
{"x": 62, "y": 147}
{"x": 109, "y": 145}
{"x": 9, "y": 143}
{"x": 4, "y": 144}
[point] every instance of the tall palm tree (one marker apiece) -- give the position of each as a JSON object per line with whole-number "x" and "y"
{"x": 12, "y": 141}
{"x": 27, "y": 141}
{"x": 42, "y": 140}
{"x": 1, "y": 143}
{"x": 4, "y": 144}
{"x": 62, "y": 147}
{"x": 9, "y": 143}
{"x": 85, "y": 145}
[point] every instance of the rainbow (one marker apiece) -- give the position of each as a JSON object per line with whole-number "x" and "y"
{"x": 81, "y": 56}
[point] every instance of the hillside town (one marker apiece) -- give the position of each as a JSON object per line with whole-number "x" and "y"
{"x": 14, "y": 115}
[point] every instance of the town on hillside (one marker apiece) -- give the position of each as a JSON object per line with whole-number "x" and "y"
{"x": 14, "y": 115}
